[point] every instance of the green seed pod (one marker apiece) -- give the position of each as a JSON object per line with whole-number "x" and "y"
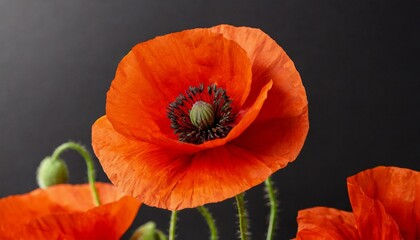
{"x": 51, "y": 172}
{"x": 202, "y": 115}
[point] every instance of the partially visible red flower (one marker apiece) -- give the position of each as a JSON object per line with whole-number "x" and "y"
{"x": 201, "y": 115}
{"x": 385, "y": 202}
{"x": 67, "y": 212}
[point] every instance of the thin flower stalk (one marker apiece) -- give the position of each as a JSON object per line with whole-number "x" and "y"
{"x": 271, "y": 194}
{"x": 210, "y": 222}
{"x": 172, "y": 225}
{"x": 89, "y": 164}
{"x": 243, "y": 217}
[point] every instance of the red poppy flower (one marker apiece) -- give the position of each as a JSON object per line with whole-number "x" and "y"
{"x": 67, "y": 212}
{"x": 248, "y": 110}
{"x": 385, "y": 202}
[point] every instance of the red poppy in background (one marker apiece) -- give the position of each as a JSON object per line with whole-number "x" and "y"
{"x": 67, "y": 212}
{"x": 200, "y": 116}
{"x": 385, "y": 202}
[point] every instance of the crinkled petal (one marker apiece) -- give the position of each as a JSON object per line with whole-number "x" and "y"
{"x": 173, "y": 180}
{"x": 277, "y": 141}
{"x": 282, "y": 124}
{"x": 155, "y": 72}
{"x": 108, "y": 221}
{"x": 269, "y": 62}
{"x": 321, "y": 223}
{"x": 217, "y": 174}
{"x": 385, "y": 202}
{"x": 67, "y": 212}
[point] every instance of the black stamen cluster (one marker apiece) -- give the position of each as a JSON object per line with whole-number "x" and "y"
{"x": 178, "y": 114}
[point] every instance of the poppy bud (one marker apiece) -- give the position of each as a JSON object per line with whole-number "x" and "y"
{"x": 148, "y": 231}
{"x": 202, "y": 115}
{"x": 51, "y": 172}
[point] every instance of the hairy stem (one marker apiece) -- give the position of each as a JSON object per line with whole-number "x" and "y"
{"x": 243, "y": 216}
{"x": 210, "y": 222}
{"x": 273, "y": 208}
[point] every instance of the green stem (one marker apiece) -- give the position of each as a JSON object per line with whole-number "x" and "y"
{"x": 273, "y": 208}
{"x": 89, "y": 164}
{"x": 243, "y": 216}
{"x": 210, "y": 222}
{"x": 172, "y": 226}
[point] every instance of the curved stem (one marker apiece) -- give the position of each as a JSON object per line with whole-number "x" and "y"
{"x": 273, "y": 208}
{"x": 243, "y": 216}
{"x": 210, "y": 222}
{"x": 172, "y": 226}
{"x": 89, "y": 164}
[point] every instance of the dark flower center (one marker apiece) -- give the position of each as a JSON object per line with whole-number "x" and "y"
{"x": 201, "y": 114}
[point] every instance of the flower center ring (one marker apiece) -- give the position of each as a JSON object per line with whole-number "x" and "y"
{"x": 201, "y": 114}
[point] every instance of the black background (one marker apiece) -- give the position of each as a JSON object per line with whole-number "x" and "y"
{"x": 359, "y": 62}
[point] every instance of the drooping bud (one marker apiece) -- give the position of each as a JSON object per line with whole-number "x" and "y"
{"x": 148, "y": 231}
{"x": 202, "y": 115}
{"x": 51, "y": 172}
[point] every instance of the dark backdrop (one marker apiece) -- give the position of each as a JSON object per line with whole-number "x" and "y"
{"x": 359, "y": 61}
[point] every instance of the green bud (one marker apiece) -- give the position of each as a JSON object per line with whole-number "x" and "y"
{"x": 51, "y": 172}
{"x": 148, "y": 231}
{"x": 202, "y": 115}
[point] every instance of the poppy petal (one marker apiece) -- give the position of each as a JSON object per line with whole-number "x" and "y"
{"x": 282, "y": 124}
{"x": 323, "y": 223}
{"x": 108, "y": 221}
{"x": 278, "y": 141}
{"x": 232, "y": 171}
{"x": 385, "y": 202}
{"x": 167, "y": 179}
{"x": 270, "y": 62}
{"x": 67, "y": 211}
{"x": 155, "y": 72}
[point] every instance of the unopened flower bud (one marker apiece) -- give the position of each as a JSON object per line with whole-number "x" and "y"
{"x": 148, "y": 231}
{"x": 51, "y": 172}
